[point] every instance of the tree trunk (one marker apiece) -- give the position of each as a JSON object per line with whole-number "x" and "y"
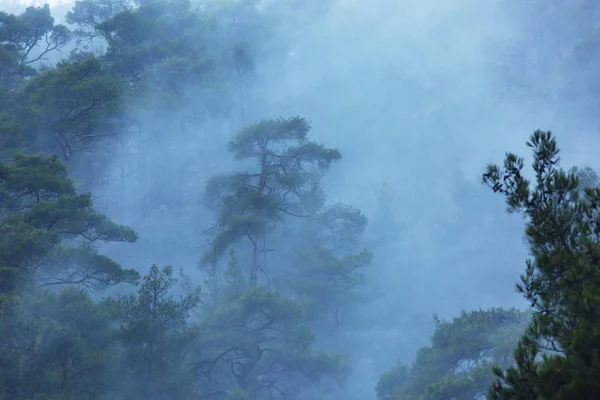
{"x": 255, "y": 254}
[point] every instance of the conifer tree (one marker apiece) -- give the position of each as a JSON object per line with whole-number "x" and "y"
{"x": 48, "y": 232}
{"x": 287, "y": 170}
{"x": 458, "y": 363}
{"x": 557, "y": 357}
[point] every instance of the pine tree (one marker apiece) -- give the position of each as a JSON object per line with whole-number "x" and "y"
{"x": 48, "y": 232}
{"x": 458, "y": 363}
{"x": 254, "y": 343}
{"x": 154, "y": 339}
{"x": 558, "y": 357}
{"x": 287, "y": 171}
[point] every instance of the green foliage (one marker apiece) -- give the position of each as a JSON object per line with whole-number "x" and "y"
{"x": 329, "y": 285}
{"x": 55, "y": 346}
{"x": 288, "y": 169}
{"x": 159, "y": 49}
{"x": 340, "y": 226}
{"x": 391, "y": 383}
{"x": 255, "y": 342}
{"x": 236, "y": 341}
{"x": 458, "y": 364}
{"x": 223, "y": 285}
{"x": 26, "y": 39}
{"x": 64, "y": 345}
{"x": 56, "y": 343}
{"x": 85, "y": 113}
{"x": 261, "y": 340}
{"x": 154, "y": 339}
{"x": 87, "y": 15}
{"x": 328, "y": 275}
{"x": 11, "y": 135}
{"x": 557, "y": 357}
{"x": 142, "y": 37}
{"x": 48, "y": 231}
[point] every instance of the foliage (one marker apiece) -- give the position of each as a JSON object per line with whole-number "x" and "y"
{"x": 161, "y": 49}
{"x": 557, "y": 357}
{"x": 139, "y": 38}
{"x": 250, "y": 204}
{"x": 254, "y": 343}
{"x": 458, "y": 364}
{"x": 330, "y": 285}
{"x": 87, "y": 15}
{"x": 85, "y": 113}
{"x": 55, "y": 346}
{"x": 316, "y": 248}
{"x": 329, "y": 262}
{"x": 48, "y": 231}
{"x": 154, "y": 339}
{"x": 65, "y": 345}
{"x": 26, "y": 39}
{"x": 144, "y": 72}
{"x": 133, "y": 63}
{"x": 64, "y": 109}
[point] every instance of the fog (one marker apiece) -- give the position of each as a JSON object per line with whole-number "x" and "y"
{"x": 418, "y": 96}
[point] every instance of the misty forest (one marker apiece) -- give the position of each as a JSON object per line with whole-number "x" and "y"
{"x": 299, "y": 199}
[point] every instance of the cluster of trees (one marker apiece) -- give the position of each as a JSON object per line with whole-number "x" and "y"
{"x": 239, "y": 337}
{"x": 285, "y": 268}
{"x": 551, "y": 350}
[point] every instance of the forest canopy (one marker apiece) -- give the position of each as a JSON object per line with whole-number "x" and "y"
{"x": 282, "y": 297}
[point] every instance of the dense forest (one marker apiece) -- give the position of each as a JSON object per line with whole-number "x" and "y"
{"x": 162, "y": 237}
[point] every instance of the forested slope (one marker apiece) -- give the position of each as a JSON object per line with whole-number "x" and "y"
{"x": 252, "y": 281}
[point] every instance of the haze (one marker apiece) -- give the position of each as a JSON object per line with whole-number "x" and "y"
{"x": 418, "y": 96}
